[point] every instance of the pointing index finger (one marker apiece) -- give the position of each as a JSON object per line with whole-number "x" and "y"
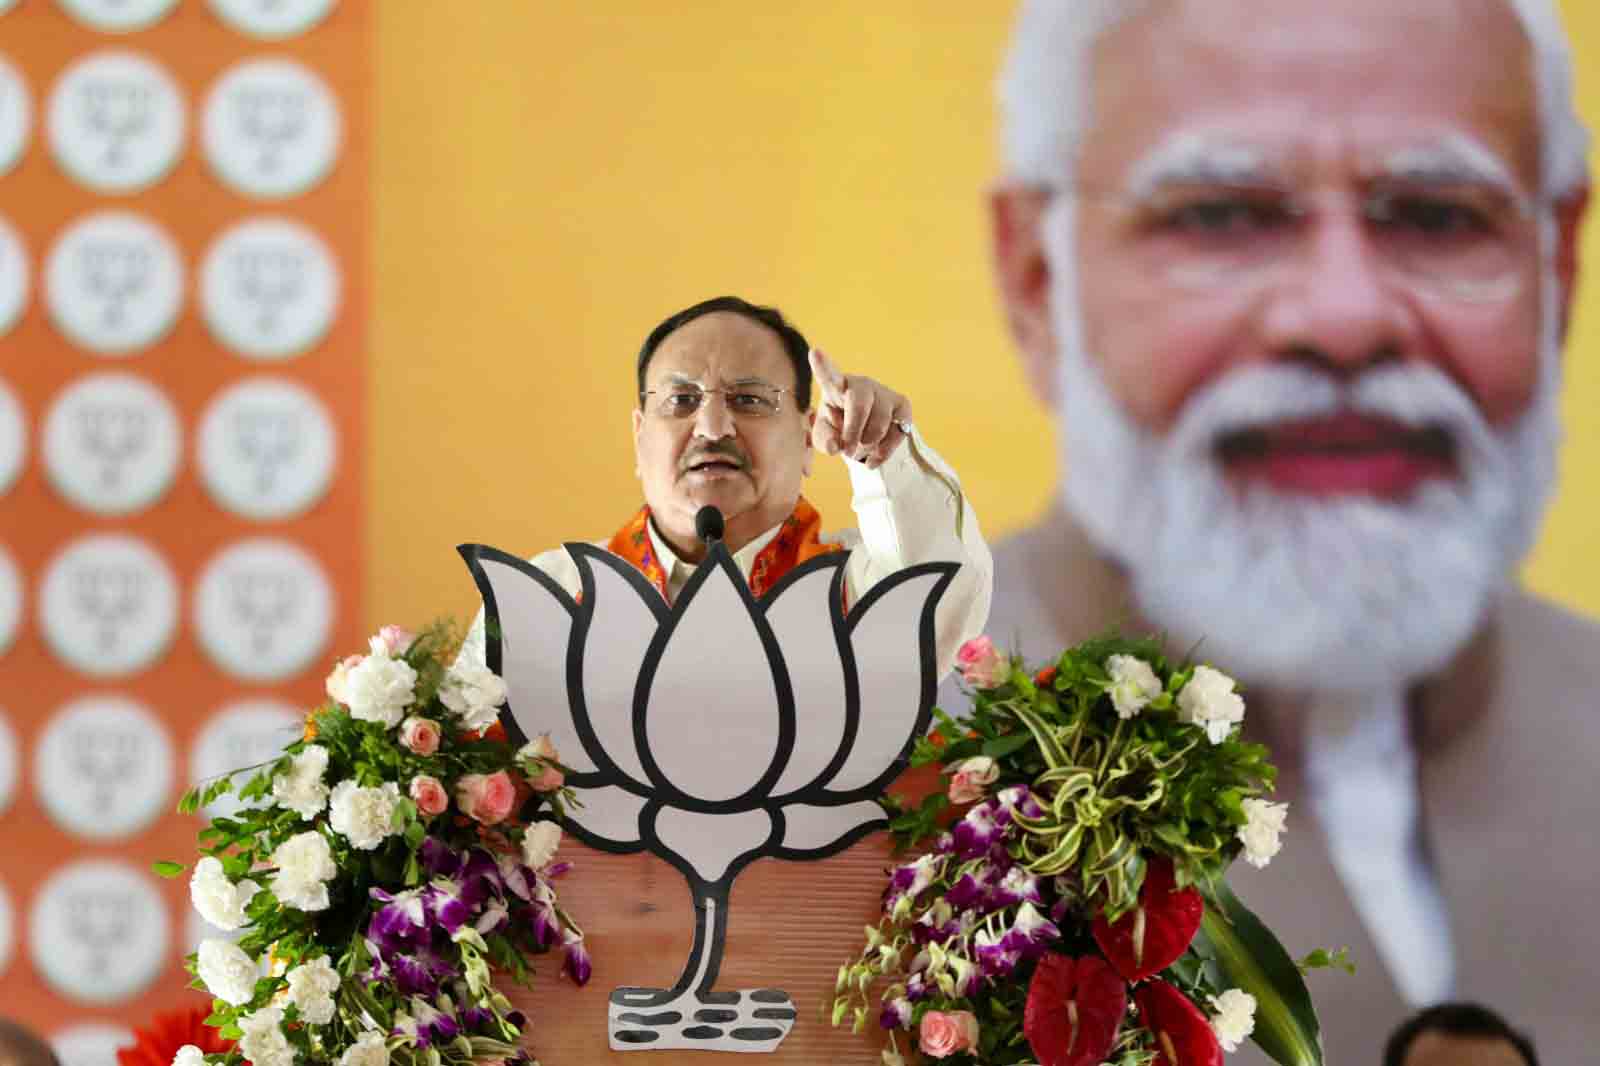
{"x": 829, "y": 380}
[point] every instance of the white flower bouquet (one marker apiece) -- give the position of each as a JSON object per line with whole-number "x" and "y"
{"x": 1072, "y": 908}
{"x": 382, "y": 866}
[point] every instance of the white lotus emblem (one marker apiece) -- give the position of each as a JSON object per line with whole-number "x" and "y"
{"x": 714, "y": 732}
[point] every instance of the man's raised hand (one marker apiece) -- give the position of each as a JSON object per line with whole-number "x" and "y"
{"x": 856, "y": 416}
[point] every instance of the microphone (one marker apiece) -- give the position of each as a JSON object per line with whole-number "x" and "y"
{"x": 708, "y": 524}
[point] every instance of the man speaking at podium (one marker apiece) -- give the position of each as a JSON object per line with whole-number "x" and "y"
{"x": 724, "y": 419}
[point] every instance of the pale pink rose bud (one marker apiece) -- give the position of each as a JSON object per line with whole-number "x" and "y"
{"x": 539, "y": 753}
{"x": 981, "y": 664}
{"x": 540, "y": 747}
{"x": 488, "y": 798}
{"x": 947, "y": 1033}
{"x": 420, "y": 735}
{"x": 549, "y": 779}
{"x": 972, "y": 778}
{"x": 338, "y": 690}
{"x": 391, "y": 641}
{"x": 429, "y": 795}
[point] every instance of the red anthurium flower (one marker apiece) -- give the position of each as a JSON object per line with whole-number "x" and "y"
{"x": 1075, "y": 1007}
{"x": 158, "y": 1044}
{"x": 1154, "y": 934}
{"x": 1182, "y": 1031}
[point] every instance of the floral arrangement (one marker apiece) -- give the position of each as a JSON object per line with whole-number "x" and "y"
{"x": 159, "y": 1043}
{"x": 1072, "y": 910}
{"x": 377, "y": 871}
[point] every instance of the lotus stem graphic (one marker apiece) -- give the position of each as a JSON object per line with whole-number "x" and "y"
{"x": 714, "y": 732}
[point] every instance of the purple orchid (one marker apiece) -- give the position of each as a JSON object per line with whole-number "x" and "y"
{"x": 399, "y": 924}
{"x": 918, "y": 988}
{"x": 995, "y": 959}
{"x": 546, "y": 925}
{"x": 445, "y": 905}
{"x": 970, "y": 891}
{"x": 1018, "y": 799}
{"x": 494, "y": 918}
{"x": 896, "y": 1014}
{"x": 977, "y": 832}
{"x": 1030, "y": 933}
{"x": 576, "y": 964}
{"x": 1017, "y": 886}
{"x": 437, "y": 858}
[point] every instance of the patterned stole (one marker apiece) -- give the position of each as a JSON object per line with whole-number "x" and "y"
{"x": 797, "y": 541}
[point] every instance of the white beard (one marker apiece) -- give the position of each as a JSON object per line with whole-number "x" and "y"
{"x": 1295, "y": 591}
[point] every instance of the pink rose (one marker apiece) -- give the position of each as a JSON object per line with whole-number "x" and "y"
{"x": 982, "y": 664}
{"x": 486, "y": 797}
{"x": 540, "y": 754}
{"x": 420, "y": 735}
{"x": 337, "y": 686}
{"x": 945, "y": 1034}
{"x": 393, "y": 640}
{"x": 429, "y": 795}
{"x": 972, "y": 778}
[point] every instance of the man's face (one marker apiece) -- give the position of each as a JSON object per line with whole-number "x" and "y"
{"x": 1292, "y": 304}
{"x": 1442, "y": 1049}
{"x": 1408, "y": 136}
{"x": 726, "y": 453}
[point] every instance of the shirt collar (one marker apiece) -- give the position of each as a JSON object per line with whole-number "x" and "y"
{"x": 675, "y": 567}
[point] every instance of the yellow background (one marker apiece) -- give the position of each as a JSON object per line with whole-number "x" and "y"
{"x": 552, "y": 178}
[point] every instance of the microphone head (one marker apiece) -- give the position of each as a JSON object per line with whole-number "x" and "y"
{"x": 708, "y": 524}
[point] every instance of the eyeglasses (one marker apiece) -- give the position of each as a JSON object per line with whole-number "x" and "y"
{"x": 748, "y": 399}
{"x": 1469, "y": 241}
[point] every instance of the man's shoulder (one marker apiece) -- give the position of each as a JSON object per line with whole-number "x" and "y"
{"x": 1544, "y": 643}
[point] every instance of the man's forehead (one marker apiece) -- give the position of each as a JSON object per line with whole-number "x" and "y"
{"x": 1315, "y": 79}
{"x": 727, "y": 345}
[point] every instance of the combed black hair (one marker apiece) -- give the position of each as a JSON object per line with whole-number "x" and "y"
{"x": 795, "y": 344}
{"x": 1456, "y": 1019}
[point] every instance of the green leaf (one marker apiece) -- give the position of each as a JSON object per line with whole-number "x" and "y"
{"x": 190, "y": 802}
{"x": 1252, "y": 959}
{"x": 166, "y": 869}
{"x": 1000, "y": 747}
{"x": 1322, "y": 959}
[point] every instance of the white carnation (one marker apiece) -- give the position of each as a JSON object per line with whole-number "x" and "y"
{"x": 1235, "y": 1019}
{"x": 189, "y": 1055}
{"x": 1208, "y": 700}
{"x": 311, "y": 988}
{"x": 370, "y": 1050}
{"x": 1261, "y": 832}
{"x": 1133, "y": 684}
{"x": 301, "y": 789}
{"x": 363, "y": 815}
{"x": 262, "y": 1040}
{"x": 539, "y": 844}
{"x": 474, "y": 693}
{"x": 379, "y": 689}
{"x": 218, "y": 900}
{"x": 305, "y": 866}
{"x": 228, "y": 973}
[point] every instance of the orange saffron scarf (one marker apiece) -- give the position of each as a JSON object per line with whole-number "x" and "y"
{"x": 797, "y": 541}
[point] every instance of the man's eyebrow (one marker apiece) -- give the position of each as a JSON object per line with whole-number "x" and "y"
{"x": 1455, "y": 160}
{"x": 1199, "y": 159}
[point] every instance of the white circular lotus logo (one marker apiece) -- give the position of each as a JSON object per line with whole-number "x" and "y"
{"x": 103, "y": 768}
{"x": 98, "y": 932}
{"x": 272, "y": 19}
{"x": 108, "y": 605}
{"x": 112, "y": 443}
{"x": 263, "y": 609}
{"x": 13, "y": 437}
{"x": 16, "y": 116}
{"x": 243, "y": 734}
{"x": 269, "y": 288}
{"x": 114, "y": 283}
{"x": 13, "y": 276}
{"x": 10, "y": 605}
{"x": 118, "y": 16}
{"x": 267, "y": 449}
{"x": 271, "y": 128}
{"x": 116, "y": 122}
{"x": 90, "y": 1045}
{"x": 8, "y": 763}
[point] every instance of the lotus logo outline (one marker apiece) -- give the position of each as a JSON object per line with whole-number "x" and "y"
{"x": 713, "y": 732}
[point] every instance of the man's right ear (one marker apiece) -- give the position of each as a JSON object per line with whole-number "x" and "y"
{"x": 1022, "y": 269}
